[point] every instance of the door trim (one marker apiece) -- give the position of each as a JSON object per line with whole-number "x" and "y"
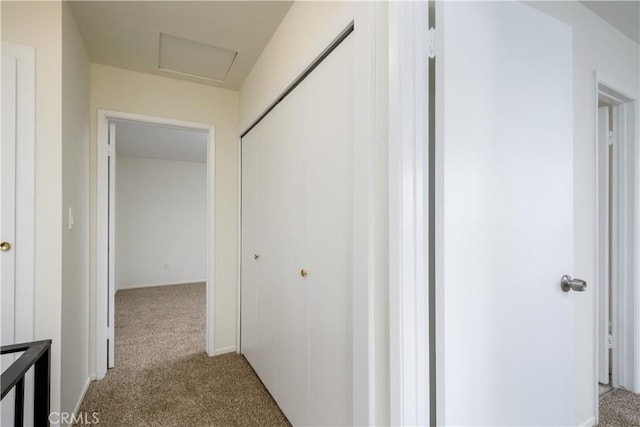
{"x": 103, "y": 240}
{"x": 25, "y": 198}
{"x": 409, "y": 214}
{"x": 626, "y": 221}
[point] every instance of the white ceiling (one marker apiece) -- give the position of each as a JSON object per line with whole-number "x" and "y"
{"x": 160, "y": 142}
{"x": 624, "y": 15}
{"x": 126, "y": 34}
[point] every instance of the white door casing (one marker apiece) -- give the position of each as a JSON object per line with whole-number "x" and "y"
{"x": 105, "y": 276}
{"x": 17, "y": 207}
{"x": 603, "y": 231}
{"x": 506, "y": 217}
{"x": 111, "y": 252}
{"x": 409, "y": 216}
{"x": 624, "y": 219}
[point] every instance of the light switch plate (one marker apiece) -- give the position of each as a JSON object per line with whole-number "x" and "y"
{"x": 71, "y": 218}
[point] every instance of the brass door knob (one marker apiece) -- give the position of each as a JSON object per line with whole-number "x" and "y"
{"x": 5, "y": 246}
{"x": 303, "y": 273}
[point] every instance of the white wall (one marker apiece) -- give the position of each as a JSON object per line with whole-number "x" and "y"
{"x": 75, "y": 195}
{"x": 304, "y": 33}
{"x": 597, "y": 47}
{"x": 161, "y": 217}
{"x": 38, "y": 24}
{"x": 132, "y": 92}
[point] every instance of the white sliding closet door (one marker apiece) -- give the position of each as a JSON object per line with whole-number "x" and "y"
{"x": 329, "y": 238}
{"x": 283, "y": 239}
{"x": 250, "y": 255}
{"x": 297, "y": 214}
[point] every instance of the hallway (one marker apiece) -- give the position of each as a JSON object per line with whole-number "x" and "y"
{"x": 164, "y": 377}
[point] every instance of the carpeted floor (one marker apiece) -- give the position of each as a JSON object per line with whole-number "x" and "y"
{"x": 620, "y": 408}
{"x": 163, "y": 377}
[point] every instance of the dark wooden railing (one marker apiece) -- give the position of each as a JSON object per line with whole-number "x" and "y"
{"x": 38, "y": 355}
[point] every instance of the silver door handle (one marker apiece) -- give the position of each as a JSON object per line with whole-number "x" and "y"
{"x": 567, "y": 284}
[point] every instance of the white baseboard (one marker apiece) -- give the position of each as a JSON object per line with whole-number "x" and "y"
{"x": 589, "y": 423}
{"x": 225, "y": 350}
{"x": 81, "y": 398}
{"x": 82, "y": 394}
{"x": 153, "y": 285}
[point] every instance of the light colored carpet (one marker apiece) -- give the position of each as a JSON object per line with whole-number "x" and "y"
{"x": 620, "y": 408}
{"x": 163, "y": 377}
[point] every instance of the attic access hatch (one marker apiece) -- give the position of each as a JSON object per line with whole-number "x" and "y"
{"x": 193, "y": 58}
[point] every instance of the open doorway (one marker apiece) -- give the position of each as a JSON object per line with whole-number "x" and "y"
{"x": 160, "y": 242}
{"x": 155, "y": 242}
{"x": 616, "y": 222}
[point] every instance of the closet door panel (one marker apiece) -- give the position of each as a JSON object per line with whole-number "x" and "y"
{"x": 250, "y": 230}
{"x": 290, "y": 239}
{"x": 268, "y": 199}
{"x": 329, "y": 235}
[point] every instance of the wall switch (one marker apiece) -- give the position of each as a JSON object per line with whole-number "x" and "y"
{"x": 71, "y": 218}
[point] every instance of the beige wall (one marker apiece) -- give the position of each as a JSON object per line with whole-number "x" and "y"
{"x": 75, "y": 195}
{"x": 38, "y": 24}
{"x": 133, "y": 92}
{"x": 304, "y": 33}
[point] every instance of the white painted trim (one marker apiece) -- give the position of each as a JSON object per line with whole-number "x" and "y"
{"x": 588, "y": 423}
{"x": 438, "y": 198}
{"x": 225, "y": 350}
{"x": 111, "y": 329}
{"x": 408, "y": 214}
{"x": 211, "y": 241}
{"x": 154, "y": 285}
{"x": 25, "y": 198}
{"x": 102, "y": 239}
{"x": 239, "y": 254}
{"x": 76, "y": 408}
{"x": 625, "y": 220}
{"x": 636, "y": 245}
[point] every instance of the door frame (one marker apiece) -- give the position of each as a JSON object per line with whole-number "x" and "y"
{"x": 103, "y": 240}
{"x": 625, "y": 222}
{"x": 410, "y": 215}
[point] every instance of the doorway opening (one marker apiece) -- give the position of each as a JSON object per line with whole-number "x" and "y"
{"x": 616, "y": 215}
{"x": 155, "y": 236}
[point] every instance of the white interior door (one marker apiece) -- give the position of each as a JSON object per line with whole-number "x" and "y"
{"x": 510, "y": 343}
{"x": 17, "y": 178}
{"x": 8, "y": 199}
{"x": 603, "y": 224}
{"x": 7, "y": 218}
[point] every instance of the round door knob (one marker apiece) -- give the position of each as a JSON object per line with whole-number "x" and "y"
{"x": 5, "y": 246}
{"x": 567, "y": 283}
{"x": 303, "y": 273}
